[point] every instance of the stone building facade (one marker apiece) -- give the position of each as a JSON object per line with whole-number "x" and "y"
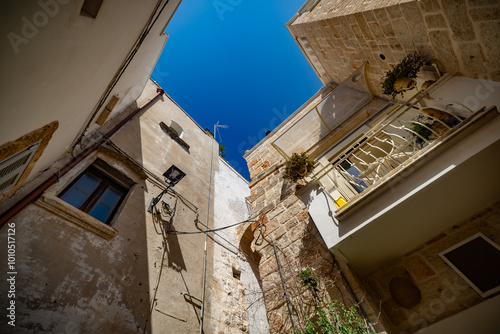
{"x": 298, "y": 242}
{"x": 392, "y": 223}
{"x": 341, "y": 35}
{"x": 443, "y": 292}
{"x": 94, "y": 118}
{"x": 141, "y": 272}
{"x": 81, "y": 61}
{"x": 236, "y": 286}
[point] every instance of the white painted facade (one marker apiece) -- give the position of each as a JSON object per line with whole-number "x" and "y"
{"x": 56, "y": 64}
{"x": 244, "y": 294}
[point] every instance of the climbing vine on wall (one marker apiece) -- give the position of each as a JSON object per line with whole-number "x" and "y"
{"x": 333, "y": 318}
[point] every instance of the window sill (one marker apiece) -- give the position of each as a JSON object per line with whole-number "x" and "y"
{"x": 71, "y": 214}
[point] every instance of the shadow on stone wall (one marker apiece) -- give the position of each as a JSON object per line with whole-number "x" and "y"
{"x": 300, "y": 247}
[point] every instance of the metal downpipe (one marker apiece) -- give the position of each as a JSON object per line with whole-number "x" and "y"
{"x": 206, "y": 237}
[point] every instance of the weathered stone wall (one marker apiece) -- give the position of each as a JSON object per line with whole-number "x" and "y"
{"x": 71, "y": 279}
{"x": 443, "y": 291}
{"x": 299, "y": 246}
{"x": 287, "y": 222}
{"x": 236, "y": 291}
{"x": 462, "y": 35}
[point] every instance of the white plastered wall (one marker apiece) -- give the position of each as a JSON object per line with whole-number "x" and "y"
{"x": 56, "y": 64}
{"x": 244, "y": 296}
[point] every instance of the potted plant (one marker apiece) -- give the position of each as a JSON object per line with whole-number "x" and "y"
{"x": 420, "y": 130}
{"x": 431, "y": 124}
{"x": 402, "y": 76}
{"x": 298, "y": 167}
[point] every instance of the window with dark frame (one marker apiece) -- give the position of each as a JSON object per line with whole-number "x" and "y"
{"x": 96, "y": 194}
{"x": 477, "y": 260}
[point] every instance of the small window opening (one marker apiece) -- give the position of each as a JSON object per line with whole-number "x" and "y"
{"x": 175, "y": 132}
{"x": 382, "y": 56}
{"x": 90, "y": 8}
{"x": 177, "y": 128}
{"x": 236, "y": 274}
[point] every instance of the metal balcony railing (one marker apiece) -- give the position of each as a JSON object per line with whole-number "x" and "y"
{"x": 402, "y": 133}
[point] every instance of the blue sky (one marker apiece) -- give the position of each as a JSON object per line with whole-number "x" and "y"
{"x": 234, "y": 61}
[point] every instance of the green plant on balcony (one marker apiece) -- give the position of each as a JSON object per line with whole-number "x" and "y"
{"x": 420, "y": 130}
{"x": 402, "y": 76}
{"x": 298, "y": 167}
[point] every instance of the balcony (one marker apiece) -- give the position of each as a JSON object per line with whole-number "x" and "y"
{"x": 401, "y": 177}
{"x": 388, "y": 144}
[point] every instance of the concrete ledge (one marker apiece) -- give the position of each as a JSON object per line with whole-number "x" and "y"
{"x": 71, "y": 214}
{"x": 481, "y": 318}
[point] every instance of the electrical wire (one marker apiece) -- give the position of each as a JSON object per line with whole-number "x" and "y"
{"x": 154, "y": 176}
{"x": 206, "y": 231}
{"x": 216, "y": 229}
{"x": 144, "y": 169}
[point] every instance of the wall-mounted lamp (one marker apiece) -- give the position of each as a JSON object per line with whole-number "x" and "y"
{"x": 172, "y": 176}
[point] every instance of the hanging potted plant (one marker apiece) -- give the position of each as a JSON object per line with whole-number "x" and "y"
{"x": 298, "y": 167}
{"x": 402, "y": 76}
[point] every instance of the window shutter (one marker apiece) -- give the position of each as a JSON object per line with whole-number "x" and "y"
{"x": 13, "y": 167}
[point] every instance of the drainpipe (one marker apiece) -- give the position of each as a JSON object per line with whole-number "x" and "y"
{"x": 51, "y": 180}
{"x": 202, "y": 313}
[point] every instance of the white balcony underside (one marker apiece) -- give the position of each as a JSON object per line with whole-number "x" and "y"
{"x": 454, "y": 183}
{"x": 482, "y": 318}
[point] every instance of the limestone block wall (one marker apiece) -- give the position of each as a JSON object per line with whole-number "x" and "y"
{"x": 298, "y": 243}
{"x": 443, "y": 291}
{"x": 299, "y": 246}
{"x": 462, "y": 35}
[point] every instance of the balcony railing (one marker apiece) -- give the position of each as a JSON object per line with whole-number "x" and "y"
{"x": 404, "y": 132}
